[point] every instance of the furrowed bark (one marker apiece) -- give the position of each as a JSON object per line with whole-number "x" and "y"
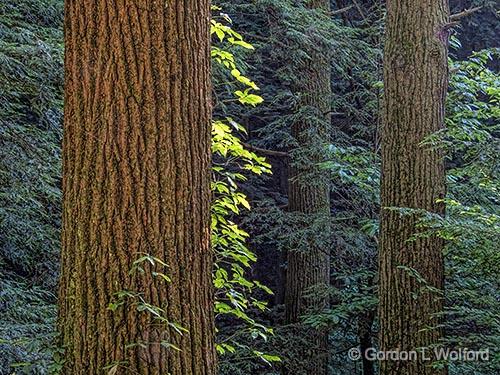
{"x": 136, "y": 171}
{"x": 413, "y": 176}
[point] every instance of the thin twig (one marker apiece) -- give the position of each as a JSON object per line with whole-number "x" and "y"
{"x": 465, "y": 13}
{"x": 265, "y": 151}
{"x": 342, "y": 10}
{"x": 358, "y": 7}
{"x": 449, "y": 25}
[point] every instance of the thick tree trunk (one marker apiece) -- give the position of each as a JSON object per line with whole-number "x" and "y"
{"x": 308, "y": 262}
{"x": 136, "y": 163}
{"x": 415, "y": 76}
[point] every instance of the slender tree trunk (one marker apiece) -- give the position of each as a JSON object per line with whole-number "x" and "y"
{"x": 415, "y": 76}
{"x": 136, "y": 163}
{"x": 308, "y": 262}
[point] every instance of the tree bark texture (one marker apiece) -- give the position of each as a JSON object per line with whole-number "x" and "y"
{"x": 136, "y": 170}
{"x": 413, "y": 176}
{"x": 308, "y": 263}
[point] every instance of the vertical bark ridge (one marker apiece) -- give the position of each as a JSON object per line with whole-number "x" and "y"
{"x": 136, "y": 181}
{"x": 415, "y": 78}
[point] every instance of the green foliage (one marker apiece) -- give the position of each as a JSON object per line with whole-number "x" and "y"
{"x": 30, "y": 117}
{"x": 472, "y": 225}
{"x": 26, "y": 328}
{"x": 31, "y": 81}
{"x": 285, "y": 38}
{"x": 356, "y": 296}
{"x": 234, "y": 290}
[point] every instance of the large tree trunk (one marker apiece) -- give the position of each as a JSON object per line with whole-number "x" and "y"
{"x": 136, "y": 163}
{"x": 308, "y": 262}
{"x": 415, "y": 76}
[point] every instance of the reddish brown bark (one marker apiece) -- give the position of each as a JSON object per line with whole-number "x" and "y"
{"x": 415, "y": 77}
{"x": 136, "y": 167}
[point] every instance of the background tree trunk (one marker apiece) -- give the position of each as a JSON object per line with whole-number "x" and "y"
{"x": 136, "y": 165}
{"x": 308, "y": 263}
{"x": 415, "y": 76}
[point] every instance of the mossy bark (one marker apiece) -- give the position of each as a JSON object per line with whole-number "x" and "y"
{"x": 136, "y": 174}
{"x": 413, "y": 176}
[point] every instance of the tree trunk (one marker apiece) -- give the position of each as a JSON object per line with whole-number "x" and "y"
{"x": 136, "y": 170}
{"x": 308, "y": 262}
{"x": 415, "y": 77}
